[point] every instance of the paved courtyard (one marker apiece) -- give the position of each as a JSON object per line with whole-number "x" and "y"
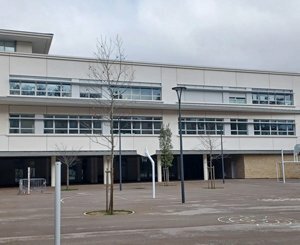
{"x": 239, "y": 212}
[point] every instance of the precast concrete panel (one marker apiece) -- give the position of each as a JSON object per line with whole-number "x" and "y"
{"x": 68, "y": 69}
{"x": 27, "y": 143}
{"x": 252, "y": 80}
{"x": 220, "y": 78}
{"x": 147, "y": 74}
{"x": 281, "y": 82}
{"x": 3, "y": 142}
{"x": 190, "y": 76}
{"x": 284, "y": 143}
{"x": 4, "y": 120}
{"x": 169, "y": 80}
{"x": 296, "y": 90}
{"x": 4, "y": 75}
{"x": 256, "y": 143}
{"x": 71, "y": 142}
{"x": 28, "y": 66}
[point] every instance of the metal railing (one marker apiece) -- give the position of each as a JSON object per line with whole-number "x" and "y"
{"x": 35, "y": 184}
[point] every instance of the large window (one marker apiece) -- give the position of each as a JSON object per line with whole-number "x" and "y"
{"x": 39, "y": 88}
{"x": 137, "y": 93}
{"x": 7, "y": 46}
{"x": 272, "y": 97}
{"x": 21, "y": 124}
{"x": 138, "y": 125}
{"x": 239, "y": 126}
{"x": 274, "y": 127}
{"x": 202, "y": 125}
{"x": 63, "y": 124}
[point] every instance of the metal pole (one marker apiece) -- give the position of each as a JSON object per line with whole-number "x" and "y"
{"x": 223, "y": 172}
{"x": 282, "y": 165}
{"x": 181, "y": 155}
{"x": 120, "y": 156}
{"x": 57, "y": 201}
{"x": 28, "y": 180}
{"x": 179, "y": 93}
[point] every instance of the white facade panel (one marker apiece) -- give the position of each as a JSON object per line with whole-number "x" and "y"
{"x": 27, "y": 66}
{"x": 4, "y": 75}
{"x": 217, "y": 78}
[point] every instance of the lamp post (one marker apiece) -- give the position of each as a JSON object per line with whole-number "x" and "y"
{"x": 120, "y": 156}
{"x": 179, "y": 93}
{"x": 222, "y": 155}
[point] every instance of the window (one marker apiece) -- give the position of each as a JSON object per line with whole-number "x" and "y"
{"x": 39, "y": 88}
{"x": 7, "y": 46}
{"x": 21, "y": 124}
{"x": 138, "y": 125}
{"x": 274, "y": 127}
{"x": 63, "y": 124}
{"x": 239, "y": 126}
{"x": 137, "y": 93}
{"x": 202, "y": 126}
{"x": 237, "y": 100}
{"x": 90, "y": 92}
{"x": 272, "y": 97}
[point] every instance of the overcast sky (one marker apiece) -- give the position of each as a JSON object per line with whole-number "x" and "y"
{"x": 251, "y": 34}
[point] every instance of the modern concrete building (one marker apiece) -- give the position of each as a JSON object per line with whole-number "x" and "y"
{"x": 46, "y": 101}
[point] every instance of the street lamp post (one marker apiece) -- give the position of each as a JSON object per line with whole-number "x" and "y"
{"x": 222, "y": 156}
{"x": 120, "y": 156}
{"x": 179, "y": 93}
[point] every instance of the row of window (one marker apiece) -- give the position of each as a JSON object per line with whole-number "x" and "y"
{"x": 274, "y": 127}
{"x": 276, "y": 97}
{"x": 39, "y": 88}
{"x": 7, "y": 46}
{"x": 66, "y": 124}
{"x": 63, "y": 124}
{"x": 138, "y": 125}
{"x": 212, "y": 126}
{"x": 135, "y": 93}
{"x": 59, "y": 89}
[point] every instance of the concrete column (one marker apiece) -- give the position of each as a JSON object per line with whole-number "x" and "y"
{"x": 178, "y": 167}
{"x": 106, "y": 167}
{"x": 53, "y": 159}
{"x": 138, "y": 166}
{"x": 205, "y": 170}
{"x": 159, "y": 178}
{"x": 94, "y": 170}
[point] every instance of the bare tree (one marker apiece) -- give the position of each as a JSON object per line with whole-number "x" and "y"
{"x": 110, "y": 75}
{"x": 211, "y": 144}
{"x": 68, "y": 158}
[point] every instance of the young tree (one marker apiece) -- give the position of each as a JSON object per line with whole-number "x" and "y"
{"x": 210, "y": 144}
{"x": 165, "y": 145}
{"x": 68, "y": 158}
{"x": 111, "y": 76}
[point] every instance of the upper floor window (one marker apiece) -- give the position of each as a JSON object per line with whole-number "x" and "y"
{"x": 239, "y": 126}
{"x": 39, "y": 88}
{"x": 63, "y": 124}
{"x": 272, "y": 97}
{"x": 274, "y": 127}
{"x": 202, "y": 125}
{"x": 137, "y": 125}
{"x": 7, "y": 46}
{"x": 237, "y": 100}
{"x": 90, "y": 92}
{"x": 137, "y": 93}
{"x": 21, "y": 123}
